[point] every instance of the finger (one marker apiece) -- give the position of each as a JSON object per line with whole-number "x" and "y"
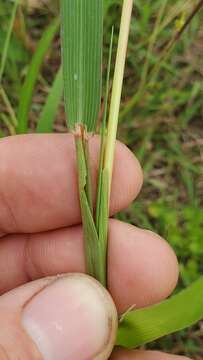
{"x": 120, "y": 354}
{"x": 141, "y": 262}
{"x": 142, "y": 267}
{"x": 39, "y": 181}
{"x": 68, "y": 317}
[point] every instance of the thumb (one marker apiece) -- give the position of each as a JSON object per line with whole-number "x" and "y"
{"x": 58, "y": 318}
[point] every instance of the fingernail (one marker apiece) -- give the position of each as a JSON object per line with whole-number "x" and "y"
{"x": 73, "y": 318}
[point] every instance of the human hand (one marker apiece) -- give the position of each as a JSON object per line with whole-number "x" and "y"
{"x": 60, "y": 318}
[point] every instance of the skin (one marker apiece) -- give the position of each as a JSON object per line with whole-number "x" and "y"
{"x": 41, "y": 233}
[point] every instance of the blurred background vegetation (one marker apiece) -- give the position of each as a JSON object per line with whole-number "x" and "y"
{"x": 161, "y": 116}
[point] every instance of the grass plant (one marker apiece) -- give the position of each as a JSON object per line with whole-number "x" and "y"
{"x": 81, "y": 48}
{"x": 171, "y": 202}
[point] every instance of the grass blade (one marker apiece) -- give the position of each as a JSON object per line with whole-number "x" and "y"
{"x": 7, "y": 41}
{"x": 142, "y": 326}
{"x": 82, "y": 33}
{"x": 32, "y": 75}
{"x": 48, "y": 114}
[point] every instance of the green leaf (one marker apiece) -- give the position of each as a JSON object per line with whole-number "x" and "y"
{"x": 82, "y": 34}
{"x": 142, "y": 326}
{"x": 48, "y": 114}
{"x": 7, "y": 40}
{"x": 32, "y": 75}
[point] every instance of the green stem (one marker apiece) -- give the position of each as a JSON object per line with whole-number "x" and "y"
{"x": 117, "y": 87}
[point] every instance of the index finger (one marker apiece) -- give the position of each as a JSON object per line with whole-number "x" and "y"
{"x": 38, "y": 182}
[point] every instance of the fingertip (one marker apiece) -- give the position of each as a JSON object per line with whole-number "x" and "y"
{"x": 143, "y": 269}
{"x": 47, "y": 165}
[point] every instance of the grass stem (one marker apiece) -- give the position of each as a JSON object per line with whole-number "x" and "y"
{"x": 117, "y": 87}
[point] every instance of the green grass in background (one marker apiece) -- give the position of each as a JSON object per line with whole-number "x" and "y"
{"x": 164, "y": 129}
